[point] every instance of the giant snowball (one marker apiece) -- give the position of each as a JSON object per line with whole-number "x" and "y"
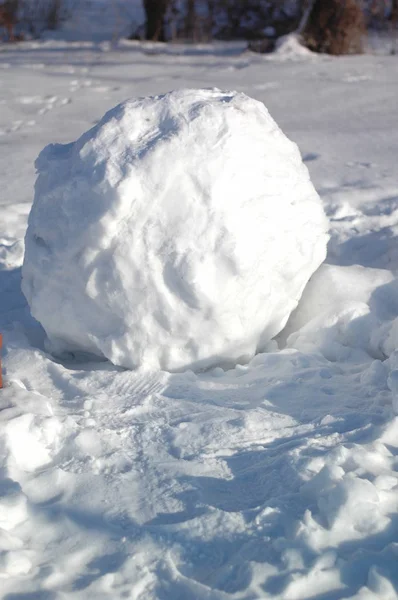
{"x": 177, "y": 233}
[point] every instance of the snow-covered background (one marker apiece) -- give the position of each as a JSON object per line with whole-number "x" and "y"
{"x": 277, "y": 479}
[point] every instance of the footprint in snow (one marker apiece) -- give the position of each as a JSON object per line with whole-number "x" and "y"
{"x": 101, "y": 89}
{"x": 268, "y": 85}
{"x": 311, "y": 156}
{"x": 31, "y": 100}
{"x": 77, "y": 84}
{"x": 52, "y": 102}
{"x": 354, "y": 78}
{"x": 362, "y": 165}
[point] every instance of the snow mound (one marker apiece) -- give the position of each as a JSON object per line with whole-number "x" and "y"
{"x": 177, "y": 233}
{"x": 346, "y": 312}
{"x": 290, "y": 47}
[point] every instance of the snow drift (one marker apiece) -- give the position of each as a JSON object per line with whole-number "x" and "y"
{"x": 346, "y": 311}
{"x": 177, "y": 233}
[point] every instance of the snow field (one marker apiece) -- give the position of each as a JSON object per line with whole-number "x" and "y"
{"x": 240, "y": 483}
{"x": 275, "y": 479}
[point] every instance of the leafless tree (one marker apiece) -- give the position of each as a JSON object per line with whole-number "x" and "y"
{"x": 335, "y": 27}
{"x": 394, "y": 26}
{"x": 155, "y": 12}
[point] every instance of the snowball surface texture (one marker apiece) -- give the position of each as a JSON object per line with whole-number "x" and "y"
{"x": 177, "y": 233}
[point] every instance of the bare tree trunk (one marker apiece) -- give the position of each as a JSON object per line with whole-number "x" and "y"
{"x": 190, "y": 24}
{"x": 335, "y": 27}
{"x": 54, "y": 14}
{"x": 210, "y": 19}
{"x": 308, "y": 6}
{"x": 155, "y": 11}
{"x": 394, "y": 26}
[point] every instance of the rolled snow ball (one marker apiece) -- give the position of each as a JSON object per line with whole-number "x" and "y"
{"x": 177, "y": 233}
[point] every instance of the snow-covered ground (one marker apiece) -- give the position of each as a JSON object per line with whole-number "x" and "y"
{"x": 277, "y": 479}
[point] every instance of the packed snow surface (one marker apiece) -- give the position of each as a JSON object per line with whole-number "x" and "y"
{"x": 274, "y": 480}
{"x": 178, "y": 232}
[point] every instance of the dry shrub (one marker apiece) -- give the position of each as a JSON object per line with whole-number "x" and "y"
{"x": 335, "y": 27}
